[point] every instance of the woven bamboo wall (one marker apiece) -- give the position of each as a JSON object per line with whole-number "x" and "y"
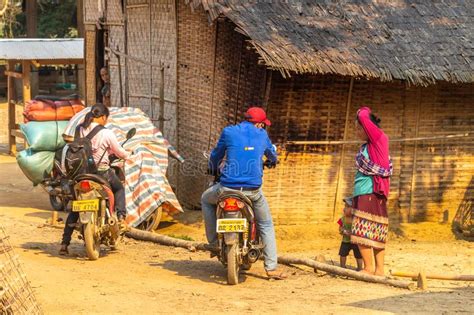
{"x": 93, "y": 10}
{"x": 116, "y": 40}
{"x": 90, "y": 42}
{"x": 218, "y": 77}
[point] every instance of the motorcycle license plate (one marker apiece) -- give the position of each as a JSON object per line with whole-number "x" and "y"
{"x": 231, "y": 225}
{"x": 85, "y": 205}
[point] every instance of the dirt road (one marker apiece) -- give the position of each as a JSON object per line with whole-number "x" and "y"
{"x": 148, "y": 279}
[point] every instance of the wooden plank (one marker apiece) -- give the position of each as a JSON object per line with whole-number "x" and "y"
{"x": 60, "y": 61}
{"x": 14, "y": 74}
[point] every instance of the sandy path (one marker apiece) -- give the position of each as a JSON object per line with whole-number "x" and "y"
{"x": 148, "y": 278}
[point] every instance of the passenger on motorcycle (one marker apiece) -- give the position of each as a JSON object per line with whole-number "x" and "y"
{"x": 243, "y": 147}
{"x": 103, "y": 144}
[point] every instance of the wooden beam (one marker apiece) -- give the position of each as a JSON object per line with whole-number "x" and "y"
{"x": 60, "y": 61}
{"x": 14, "y": 74}
{"x": 26, "y": 81}
{"x": 11, "y": 108}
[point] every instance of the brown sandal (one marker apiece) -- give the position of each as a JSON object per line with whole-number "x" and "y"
{"x": 276, "y": 274}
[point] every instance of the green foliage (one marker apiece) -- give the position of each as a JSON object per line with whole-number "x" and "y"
{"x": 182, "y": 237}
{"x": 56, "y": 19}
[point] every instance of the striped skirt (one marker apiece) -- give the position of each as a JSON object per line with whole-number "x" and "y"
{"x": 370, "y": 221}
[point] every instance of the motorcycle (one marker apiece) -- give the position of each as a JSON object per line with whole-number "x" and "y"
{"x": 239, "y": 242}
{"x": 91, "y": 196}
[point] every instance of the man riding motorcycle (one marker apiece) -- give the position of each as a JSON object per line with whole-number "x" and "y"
{"x": 104, "y": 143}
{"x": 243, "y": 147}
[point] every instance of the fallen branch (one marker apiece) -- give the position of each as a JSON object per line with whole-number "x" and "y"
{"x": 433, "y": 276}
{"x": 166, "y": 240}
{"x": 287, "y": 260}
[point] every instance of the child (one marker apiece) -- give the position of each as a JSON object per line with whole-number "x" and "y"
{"x": 345, "y": 224}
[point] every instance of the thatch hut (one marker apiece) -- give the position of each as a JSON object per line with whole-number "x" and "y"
{"x": 311, "y": 65}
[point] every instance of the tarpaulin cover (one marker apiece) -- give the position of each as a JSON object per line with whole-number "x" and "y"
{"x": 34, "y": 164}
{"x": 44, "y": 135}
{"x": 146, "y": 185}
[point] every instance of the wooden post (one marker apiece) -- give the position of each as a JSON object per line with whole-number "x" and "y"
{"x": 413, "y": 171}
{"x": 11, "y": 109}
{"x": 26, "y": 81}
{"x": 421, "y": 281}
{"x": 343, "y": 148}
{"x": 80, "y": 32}
{"x": 32, "y": 32}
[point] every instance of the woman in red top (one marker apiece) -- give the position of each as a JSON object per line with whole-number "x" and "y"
{"x": 371, "y": 188}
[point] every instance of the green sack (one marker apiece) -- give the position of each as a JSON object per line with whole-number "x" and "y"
{"x": 44, "y": 135}
{"x": 34, "y": 164}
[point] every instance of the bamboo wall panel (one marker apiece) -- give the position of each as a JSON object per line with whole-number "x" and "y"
{"x": 90, "y": 67}
{"x": 196, "y": 47}
{"x": 117, "y": 41}
{"x": 93, "y": 10}
{"x": 138, "y": 46}
{"x": 163, "y": 50}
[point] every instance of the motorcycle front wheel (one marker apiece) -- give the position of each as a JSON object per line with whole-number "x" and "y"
{"x": 232, "y": 264}
{"x": 92, "y": 242}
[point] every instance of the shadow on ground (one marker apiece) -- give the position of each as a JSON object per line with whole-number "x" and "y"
{"x": 452, "y": 301}
{"x": 204, "y": 270}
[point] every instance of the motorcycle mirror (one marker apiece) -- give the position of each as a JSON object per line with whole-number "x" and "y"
{"x": 131, "y": 133}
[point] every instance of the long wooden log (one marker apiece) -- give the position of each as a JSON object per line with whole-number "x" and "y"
{"x": 165, "y": 240}
{"x": 289, "y": 260}
{"x": 285, "y": 259}
{"x": 432, "y": 276}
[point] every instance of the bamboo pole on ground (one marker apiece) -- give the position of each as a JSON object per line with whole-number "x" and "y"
{"x": 414, "y": 275}
{"x": 285, "y": 259}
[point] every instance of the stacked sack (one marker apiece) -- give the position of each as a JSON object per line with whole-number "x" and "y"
{"x": 45, "y": 121}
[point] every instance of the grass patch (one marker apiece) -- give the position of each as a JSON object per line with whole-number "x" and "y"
{"x": 182, "y": 237}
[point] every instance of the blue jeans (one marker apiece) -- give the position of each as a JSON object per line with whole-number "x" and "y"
{"x": 262, "y": 215}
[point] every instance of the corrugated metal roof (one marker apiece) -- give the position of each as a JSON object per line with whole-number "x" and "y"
{"x": 42, "y": 48}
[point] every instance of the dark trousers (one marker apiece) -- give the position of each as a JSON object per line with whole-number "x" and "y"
{"x": 119, "y": 196}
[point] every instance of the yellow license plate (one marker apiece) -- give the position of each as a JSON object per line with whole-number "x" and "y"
{"x": 231, "y": 225}
{"x": 85, "y": 205}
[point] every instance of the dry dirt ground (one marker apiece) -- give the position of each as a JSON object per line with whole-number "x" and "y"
{"x": 148, "y": 279}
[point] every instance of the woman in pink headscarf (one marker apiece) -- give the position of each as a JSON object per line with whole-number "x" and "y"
{"x": 371, "y": 188}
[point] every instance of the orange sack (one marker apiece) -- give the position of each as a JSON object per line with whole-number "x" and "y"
{"x": 47, "y": 110}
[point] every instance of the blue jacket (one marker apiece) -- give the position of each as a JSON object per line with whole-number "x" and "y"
{"x": 243, "y": 147}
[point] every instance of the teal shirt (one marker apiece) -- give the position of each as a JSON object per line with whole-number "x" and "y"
{"x": 363, "y": 184}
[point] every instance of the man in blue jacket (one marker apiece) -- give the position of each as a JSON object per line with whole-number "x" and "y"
{"x": 243, "y": 147}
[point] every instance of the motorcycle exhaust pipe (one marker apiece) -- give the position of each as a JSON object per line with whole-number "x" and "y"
{"x": 253, "y": 255}
{"x": 111, "y": 221}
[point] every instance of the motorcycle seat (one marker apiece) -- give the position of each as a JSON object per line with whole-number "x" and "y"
{"x": 93, "y": 177}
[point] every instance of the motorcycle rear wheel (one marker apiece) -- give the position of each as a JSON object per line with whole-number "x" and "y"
{"x": 92, "y": 242}
{"x": 232, "y": 265}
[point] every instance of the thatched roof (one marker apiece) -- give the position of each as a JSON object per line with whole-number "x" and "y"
{"x": 415, "y": 40}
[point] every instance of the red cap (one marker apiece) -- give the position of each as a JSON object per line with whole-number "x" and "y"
{"x": 257, "y": 115}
